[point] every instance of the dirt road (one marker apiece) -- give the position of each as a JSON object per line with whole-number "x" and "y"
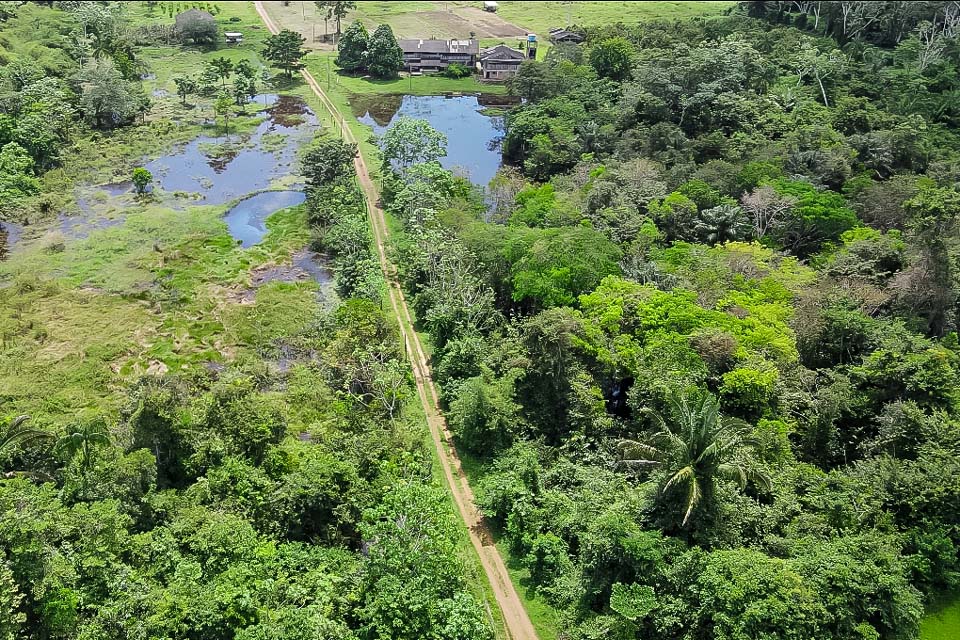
{"x": 515, "y": 616}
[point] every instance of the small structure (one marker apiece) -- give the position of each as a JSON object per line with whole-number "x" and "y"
{"x": 500, "y": 63}
{"x": 490, "y": 6}
{"x": 431, "y": 56}
{"x": 532, "y": 46}
{"x": 563, "y": 36}
{"x": 233, "y": 37}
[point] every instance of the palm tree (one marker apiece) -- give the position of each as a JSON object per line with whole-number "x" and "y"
{"x": 720, "y": 224}
{"x": 81, "y": 441}
{"x": 17, "y": 432}
{"x": 695, "y": 447}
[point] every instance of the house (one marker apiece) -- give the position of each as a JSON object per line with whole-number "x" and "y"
{"x": 490, "y": 6}
{"x": 428, "y": 56}
{"x": 500, "y": 63}
{"x": 563, "y": 36}
{"x": 233, "y": 37}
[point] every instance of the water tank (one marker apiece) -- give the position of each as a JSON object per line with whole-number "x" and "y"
{"x": 532, "y": 46}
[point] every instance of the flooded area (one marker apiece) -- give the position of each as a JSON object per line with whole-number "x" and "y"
{"x": 208, "y": 170}
{"x": 247, "y": 221}
{"x": 9, "y": 234}
{"x": 221, "y": 169}
{"x": 473, "y": 137}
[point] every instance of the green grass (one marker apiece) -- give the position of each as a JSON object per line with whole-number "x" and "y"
{"x": 942, "y": 621}
{"x": 539, "y": 17}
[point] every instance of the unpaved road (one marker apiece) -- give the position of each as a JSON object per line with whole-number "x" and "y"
{"x": 515, "y": 616}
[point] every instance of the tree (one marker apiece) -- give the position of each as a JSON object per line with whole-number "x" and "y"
{"x": 384, "y": 55}
{"x": 185, "y": 87}
{"x": 196, "y": 26}
{"x": 80, "y": 442}
{"x": 16, "y": 175}
{"x": 352, "y": 48}
{"x": 245, "y": 69}
{"x": 223, "y": 107}
{"x": 612, "y": 58}
{"x": 411, "y": 141}
{"x": 766, "y": 208}
{"x": 694, "y": 446}
{"x": 336, "y": 10}
{"x": 17, "y": 432}
{"x": 241, "y": 92}
{"x": 107, "y": 100}
{"x": 723, "y": 223}
{"x": 328, "y": 160}
{"x": 285, "y": 50}
{"x": 141, "y": 179}
{"x": 224, "y": 67}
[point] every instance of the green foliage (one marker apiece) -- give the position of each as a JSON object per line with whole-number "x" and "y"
{"x": 411, "y": 141}
{"x": 456, "y": 71}
{"x": 612, "y": 58}
{"x": 384, "y": 57}
{"x": 141, "y": 179}
{"x": 352, "y": 48}
{"x": 285, "y": 51}
{"x": 483, "y": 416}
{"x": 16, "y": 175}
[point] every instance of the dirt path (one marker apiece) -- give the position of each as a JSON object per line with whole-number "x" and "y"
{"x": 515, "y": 616}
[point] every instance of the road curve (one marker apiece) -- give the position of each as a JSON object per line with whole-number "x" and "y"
{"x": 515, "y": 616}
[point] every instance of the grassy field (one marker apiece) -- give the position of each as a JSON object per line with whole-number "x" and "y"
{"x": 942, "y": 622}
{"x": 539, "y": 17}
{"x": 460, "y": 19}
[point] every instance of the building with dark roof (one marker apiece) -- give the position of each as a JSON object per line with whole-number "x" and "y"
{"x": 563, "y": 36}
{"x": 431, "y": 56}
{"x": 500, "y": 63}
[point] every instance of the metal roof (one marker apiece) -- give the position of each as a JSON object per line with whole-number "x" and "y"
{"x": 439, "y": 46}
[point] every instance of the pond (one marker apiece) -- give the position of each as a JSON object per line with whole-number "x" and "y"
{"x": 247, "y": 221}
{"x": 942, "y": 621}
{"x": 223, "y": 169}
{"x": 473, "y": 137}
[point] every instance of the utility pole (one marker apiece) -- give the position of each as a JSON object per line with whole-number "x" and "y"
{"x": 328, "y": 73}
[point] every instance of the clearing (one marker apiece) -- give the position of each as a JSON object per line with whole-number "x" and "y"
{"x": 460, "y": 19}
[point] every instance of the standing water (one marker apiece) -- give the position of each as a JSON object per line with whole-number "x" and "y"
{"x": 473, "y": 138}
{"x": 247, "y": 221}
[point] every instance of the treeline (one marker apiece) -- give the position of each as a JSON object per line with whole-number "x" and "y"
{"x": 701, "y": 332}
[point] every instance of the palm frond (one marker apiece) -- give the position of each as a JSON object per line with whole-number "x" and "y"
{"x": 17, "y": 432}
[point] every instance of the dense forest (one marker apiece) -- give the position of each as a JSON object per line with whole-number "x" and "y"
{"x": 701, "y": 333}
{"x": 697, "y": 344}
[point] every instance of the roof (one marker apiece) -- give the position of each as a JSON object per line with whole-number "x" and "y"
{"x": 233, "y": 34}
{"x": 439, "y": 46}
{"x": 501, "y": 52}
{"x": 562, "y": 34}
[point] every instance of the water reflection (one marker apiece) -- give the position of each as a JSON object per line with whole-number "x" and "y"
{"x": 247, "y": 221}
{"x": 473, "y": 138}
{"x": 223, "y": 169}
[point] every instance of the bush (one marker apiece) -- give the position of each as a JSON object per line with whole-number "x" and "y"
{"x": 456, "y": 71}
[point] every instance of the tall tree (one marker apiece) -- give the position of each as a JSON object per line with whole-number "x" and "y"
{"x": 285, "y": 51}
{"x": 411, "y": 141}
{"x": 695, "y": 445}
{"x": 224, "y": 67}
{"x": 336, "y": 10}
{"x": 384, "y": 55}
{"x": 352, "y": 48}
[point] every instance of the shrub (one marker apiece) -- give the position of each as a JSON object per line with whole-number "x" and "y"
{"x": 456, "y": 71}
